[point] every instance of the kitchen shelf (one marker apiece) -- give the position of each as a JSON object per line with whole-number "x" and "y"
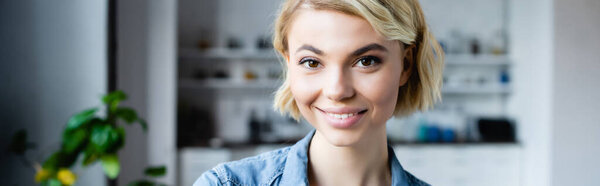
{"x": 476, "y": 60}
{"x": 227, "y": 54}
{"x": 486, "y": 89}
{"x": 228, "y": 84}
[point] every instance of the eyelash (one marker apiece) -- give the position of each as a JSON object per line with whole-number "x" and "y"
{"x": 304, "y": 61}
{"x": 375, "y": 60}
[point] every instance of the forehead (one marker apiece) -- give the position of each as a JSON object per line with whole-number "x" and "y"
{"x": 332, "y": 31}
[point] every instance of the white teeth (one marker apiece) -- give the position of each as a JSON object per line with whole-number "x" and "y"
{"x": 341, "y": 116}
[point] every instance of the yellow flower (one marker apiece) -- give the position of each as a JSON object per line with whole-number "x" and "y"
{"x": 66, "y": 177}
{"x": 41, "y": 175}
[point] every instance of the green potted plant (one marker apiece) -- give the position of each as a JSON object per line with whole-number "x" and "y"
{"x": 92, "y": 135}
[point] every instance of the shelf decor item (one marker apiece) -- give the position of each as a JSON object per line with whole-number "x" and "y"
{"x": 89, "y": 134}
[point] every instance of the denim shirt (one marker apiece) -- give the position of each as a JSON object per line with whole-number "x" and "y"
{"x": 285, "y": 166}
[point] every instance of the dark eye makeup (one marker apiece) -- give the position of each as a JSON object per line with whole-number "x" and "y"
{"x": 309, "y": 62}
{"x": 362, "y": 62}
{"x": 367, "y": 61}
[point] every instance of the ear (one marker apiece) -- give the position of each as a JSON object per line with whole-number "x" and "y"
{"x": 408, "y": 62}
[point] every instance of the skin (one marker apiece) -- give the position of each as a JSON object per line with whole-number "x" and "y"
{"x": 325, "y": 72}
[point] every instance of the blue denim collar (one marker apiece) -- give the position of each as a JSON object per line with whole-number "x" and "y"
{"x": 295, "y": 171}
{"x": 296, "y": 163}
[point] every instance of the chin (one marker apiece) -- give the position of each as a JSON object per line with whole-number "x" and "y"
{"x": 341, "y": 138}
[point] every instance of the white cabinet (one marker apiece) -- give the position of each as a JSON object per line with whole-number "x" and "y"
{"x": 464, "y": 165}
{"x": 195, "y": 161}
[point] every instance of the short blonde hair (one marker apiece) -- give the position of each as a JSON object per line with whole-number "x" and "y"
{"x": 400, "y": 20}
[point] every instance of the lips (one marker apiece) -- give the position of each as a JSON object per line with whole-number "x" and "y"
{"x": 342, "y": 118}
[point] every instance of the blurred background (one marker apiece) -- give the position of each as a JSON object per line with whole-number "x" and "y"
{"x": 520, "y": 104}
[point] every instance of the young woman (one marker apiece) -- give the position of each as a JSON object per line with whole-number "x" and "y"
{"x": 350, "y": 66}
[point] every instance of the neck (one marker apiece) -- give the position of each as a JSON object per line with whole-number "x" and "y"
{"x": 363, "y": 163}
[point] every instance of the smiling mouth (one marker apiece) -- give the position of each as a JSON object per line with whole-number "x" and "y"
{"x": 342, "y": 118}
{"x": 344, "y": 115}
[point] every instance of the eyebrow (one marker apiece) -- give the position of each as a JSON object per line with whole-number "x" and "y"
{"x": 372, "y": 46}
{"x": 309, "y": 48}
{"x": 357, "y": 52}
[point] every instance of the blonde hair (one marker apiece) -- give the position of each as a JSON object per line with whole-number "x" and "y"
{"x": 400, "y": 20}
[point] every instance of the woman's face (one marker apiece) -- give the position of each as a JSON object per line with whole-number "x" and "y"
{"x": 343, "y": 75}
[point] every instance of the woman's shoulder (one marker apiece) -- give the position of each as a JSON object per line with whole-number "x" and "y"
{"x": 256, "y": 170}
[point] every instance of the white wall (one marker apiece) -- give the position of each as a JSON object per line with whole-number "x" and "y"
{"x": 480, "y": 19}
{"x": 228, "y": 18}
{"x": 193, "y": 24}
{"x": 162, "y": 86}
{"x": 576, "y": 106}
{"x": 531, "y": 47}
{"x": 131, "y": 78}
{"x": 147, "y": 72}
{"x": 53, "y": 65}
{"x": 555, "y": 46}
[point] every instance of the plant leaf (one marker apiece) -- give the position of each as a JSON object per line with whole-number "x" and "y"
{"x": 127, "y": 114}
{"x": 100, "y": 137}
{"x": 89, "y": 158}
{"x": 59, "y": 159}
{"x": 118, "y": 137}
{"x": 53, "y": 182}
{"x": 107, "y": 139}
{"x": 114, "y": 96}
{"x": 142, "y": 183}
{"x": 81, "y": 118}
{"x": 90, "y": 155}
{"x": 67, "y": 160}
{"x": 51, "y": 164}
{"x": 113, "y": 99}
{"x": 143, "y": 124}
{"x": 74, "y": 140}
{"x": 156, "y": 171}
{"x": 110, "y": 165}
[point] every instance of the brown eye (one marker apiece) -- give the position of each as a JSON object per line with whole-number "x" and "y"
{"x": 368, "y": 61}
{"x": 365, "y": 62}
{"x": 313, "y": 64}
{"x": 310, "y": 63}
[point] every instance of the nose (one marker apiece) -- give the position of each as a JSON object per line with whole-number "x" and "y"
{"x": 339, "y": 86}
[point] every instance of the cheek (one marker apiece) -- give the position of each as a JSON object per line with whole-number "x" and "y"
{"x": 381, "y": 90}
{"x": 304, "y": 89}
